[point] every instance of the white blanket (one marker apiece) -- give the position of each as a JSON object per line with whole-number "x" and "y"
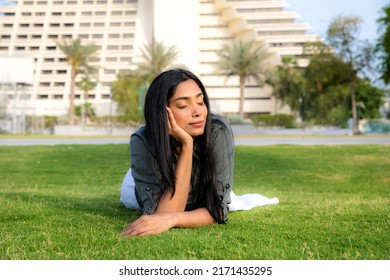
{"x": 238, "y": 202}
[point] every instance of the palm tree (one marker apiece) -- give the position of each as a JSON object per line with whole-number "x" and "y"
{"x": 243, "y": 59}
{"x": 77, "y": 56}
{"x": 86, "y": 84}
{"x": 156, "y": 57}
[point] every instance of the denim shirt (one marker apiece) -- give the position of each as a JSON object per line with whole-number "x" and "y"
{"x": 147, "y": 176}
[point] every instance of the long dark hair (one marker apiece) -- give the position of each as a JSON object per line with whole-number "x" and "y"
{"x": 157, "y": 98}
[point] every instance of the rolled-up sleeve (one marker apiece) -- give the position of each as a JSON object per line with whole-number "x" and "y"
{"x": 223, "y": 148}
{"x": 146, "y": 175}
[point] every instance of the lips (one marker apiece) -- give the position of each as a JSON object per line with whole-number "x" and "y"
{"x": 197, "y": 123}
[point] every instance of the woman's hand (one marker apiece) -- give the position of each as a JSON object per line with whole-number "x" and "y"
{"x": 150, "y": 224}
{"x": 176, "y": 131}
{"x": 161, "y": 222}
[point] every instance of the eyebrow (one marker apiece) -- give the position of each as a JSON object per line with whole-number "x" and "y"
{"x": 186, "y": 97}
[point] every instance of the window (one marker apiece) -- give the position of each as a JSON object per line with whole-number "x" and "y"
{"x": 98, "y": 24}
{"x": 117, "y": 24}
{"x": 86, "y": 13}
{"x": 47, "y": 72}
{"x": 61, "y": 72}
{"x": 51, "y": 48}
{"x": 56, "y": 14}
{"x": 125, "y": 59}
{"x": 59, "y": 84}
{"x": 102, "y": 13}
{"x": 34, "y": 48}
{"x": 52, "y": 36}
{"x": 112, "y": 47}
{"x": 48, "y": 59}
{"x": 109, "y": 71}
{"x": 85, "y": 24}
{"x": 38, "y": 24}
{"x": 24, "y": 25}
{"x": 20, "y": 48}
{"x": 44, "y": 84}
{"x": 127, "y": 47}
{"x": 36, "y": 36}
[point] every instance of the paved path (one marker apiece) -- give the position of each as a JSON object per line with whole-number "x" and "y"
{"x": 240, "y": 140}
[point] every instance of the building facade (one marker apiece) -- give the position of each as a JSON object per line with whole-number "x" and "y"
{"x": 198, "y": 29}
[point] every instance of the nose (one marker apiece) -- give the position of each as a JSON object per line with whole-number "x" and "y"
{"x": 196, "y": 112}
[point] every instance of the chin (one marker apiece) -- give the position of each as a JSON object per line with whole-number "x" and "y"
{"x": 197, "y": 132}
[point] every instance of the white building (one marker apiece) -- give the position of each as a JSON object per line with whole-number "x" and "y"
{"x": 197, "y": 28}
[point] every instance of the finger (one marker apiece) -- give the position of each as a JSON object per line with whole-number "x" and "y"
{"x": 134, "y": 225}
{"x": 171, "y": 117}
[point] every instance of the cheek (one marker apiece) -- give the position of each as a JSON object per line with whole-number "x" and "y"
{"x": 180, "y": 117}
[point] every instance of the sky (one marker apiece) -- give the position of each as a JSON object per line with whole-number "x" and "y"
{"x": 319, "y": 14}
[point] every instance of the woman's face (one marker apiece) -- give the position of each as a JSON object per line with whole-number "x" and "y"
{"x": 188, "y": 108}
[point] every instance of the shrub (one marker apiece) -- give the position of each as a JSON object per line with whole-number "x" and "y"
{"x": 281, "y": 120}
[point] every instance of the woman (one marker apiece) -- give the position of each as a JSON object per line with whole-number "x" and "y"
{"x": 182, "y": 160}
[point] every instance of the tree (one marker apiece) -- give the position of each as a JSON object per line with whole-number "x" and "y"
{"x": 288, "y": 84}
{"x": 129, "y": 89}
{"x": 370, "y": 99}
{"x": 243, "y": 59}
{"x": 86, "y": 84}
{"x": 383, "y": 45}
{"x": 342, "y": 35}
{"x": 77, "y": 57}
{"x": 125, "y": 91}
{"x": 155, "y": 58}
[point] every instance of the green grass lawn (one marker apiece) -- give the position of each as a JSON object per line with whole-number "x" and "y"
{"x": 62, "y": 202}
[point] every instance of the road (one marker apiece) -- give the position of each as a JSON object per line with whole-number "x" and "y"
{"x": 239, "y": 140}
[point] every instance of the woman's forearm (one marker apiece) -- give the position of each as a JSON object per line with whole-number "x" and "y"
{"x": 195, "y": 218}
{"x": 159, "y": 223}
{"x": 178, "y": 201}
